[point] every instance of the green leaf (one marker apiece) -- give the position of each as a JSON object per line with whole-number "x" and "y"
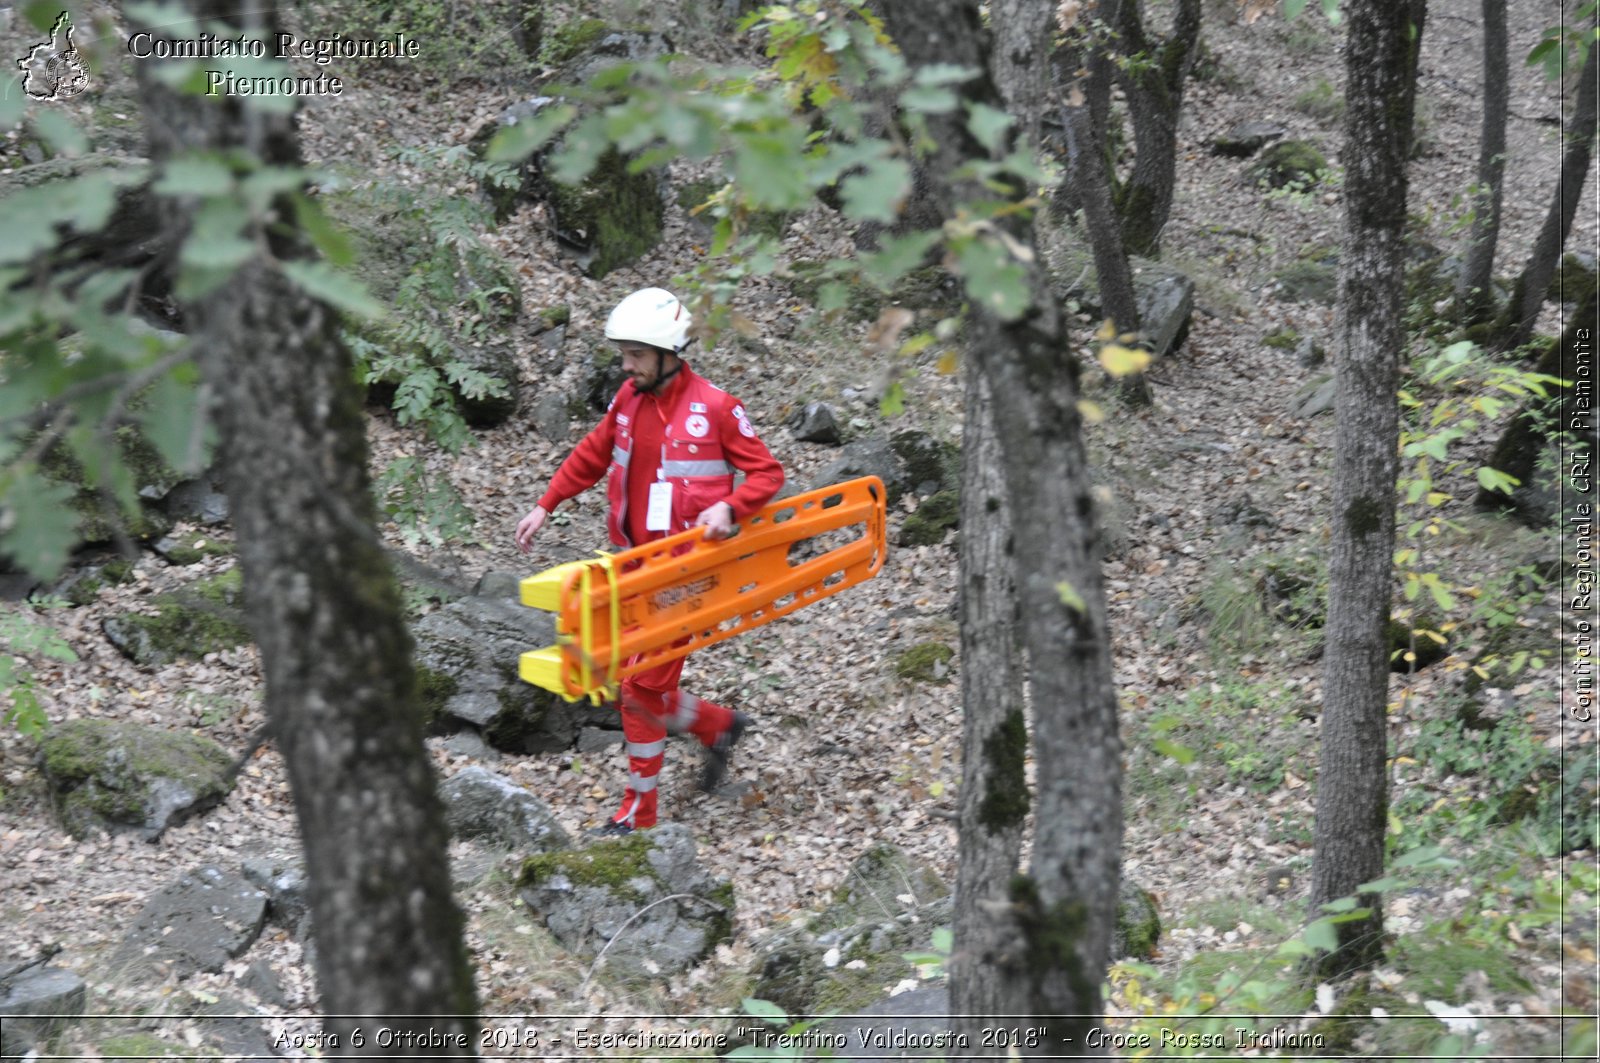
{"x": 765, "y": 1009}
{"x": 944, "y": 74}
{"x": 1495, "y": 480}
{"x": 43, "y": 528}
{"x": 1292, "y": 9}
{"x": 1423, "y": 856}
{"x": 924, "y": 99}
{"x": 580, "y": 151}
{"x": 1168, "y": 748}
{"x": 893, "y": 402}
{"x": 767, "y": 168}
{"x": 988, "y": 125}
{"x": 943, "y": 940}
{"x": 1070, "y": 597}
{"x": 195, "y": 175}
{"x": 516, "y": 142}
{"x": 1321, "y": 935}
{"x": 994, "y": 279}
{"x": 59, "y": 132}
{"x": 175, "y": 423}
{"x": 323, "y": 231}
{"x": 337, "y": 289}
{"x": 876, "y": 193}
{"x": 1342, "y": 904}
{"x": 1387, "y": 884}
{"x": 896, "y": 256}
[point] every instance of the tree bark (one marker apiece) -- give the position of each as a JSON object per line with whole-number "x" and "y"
{"x": 1021, "y": 59}
{"x": 1063, "y": 908}
{"x": 1475, "y": 289}
{"x": 1153, "y": 83}
{"x": 1113, "y": 275}
{"x": 994, "y": 790}
{"x": 1528, "y": 295}
{"x": 1352, "y": 788}
{"x": 341, "y": 697}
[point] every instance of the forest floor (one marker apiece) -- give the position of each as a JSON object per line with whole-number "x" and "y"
{"x": 1213, "y": 485}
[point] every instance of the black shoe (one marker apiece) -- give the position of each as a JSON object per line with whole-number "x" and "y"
{"x": 715, "y": 765}
{"x": 614, "y": 828}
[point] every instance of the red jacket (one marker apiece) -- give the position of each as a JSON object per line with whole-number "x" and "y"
{"x": 694, "y": 435}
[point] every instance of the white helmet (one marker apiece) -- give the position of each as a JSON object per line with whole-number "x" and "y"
{"x": 653, "y": 316}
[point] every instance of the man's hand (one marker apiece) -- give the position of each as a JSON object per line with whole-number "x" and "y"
{"x": 717, "y": 521}
{"x": 529, "y": 526}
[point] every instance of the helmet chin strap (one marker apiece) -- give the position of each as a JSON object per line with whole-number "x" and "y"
{"x": 655, "y": 388}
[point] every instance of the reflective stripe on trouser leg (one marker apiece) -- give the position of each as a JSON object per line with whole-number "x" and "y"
{"x": 647, "y": 743}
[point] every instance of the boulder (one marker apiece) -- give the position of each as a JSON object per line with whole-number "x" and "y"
{"x": 867, "y": 457}
{"x": 816, "y": 422}
{"x": 126, "y": 776}
{"x": 1288, "y": 162}
{"x": 481, "y": 804}
{"x": 551, "y": 418}
{"x": 287, "y": 890}
{"x": 937, "y": 515}
{"x": 1163, "y": 296}
{"x": 1317, "y": 395}
{"x": 1246, "y": 138}
{"x": 853, "y": 952}
{"x": 204, "y": 618}
{"x": 198, "y": 923}
{"x": 467, "y": 654}
{"x": 930, "y": 466}
{"x": 643, "y": 898}
{"x": 1138, "y": 925}
{"x": 198, "y": 501}
{"x": 35, "y": 1004}
{"x": 190, "y": 548}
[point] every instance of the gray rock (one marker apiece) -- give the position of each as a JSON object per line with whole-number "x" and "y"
{"x": 816, "y": 423}
{"x": 198, "y": 501}
{"x": 1138, "y": 925}
{"x": 504, "y": 585}
{"x": 468, "y": 744}
{"x": 203, "y": 618}
{"x": 200, "y": 922}
{"x": 225, "y": 1026}
{"x": 1288, "y": 162}
{"x": 287, "y": 890}
{"x": 1163, "y": 296}
{"x": 35, "y": 1004}
{"x": 480, "y": 804}
{"x": 867, "y": 457}
{"x": 598, "y": 740}
{"x": 643, "y": 898}
{"x": 1247, "y": 138}
{"x": 121, "y": 776}
{"x": 1309, "y": 354}
{"x": 467, "y": 654}
{"x": 930, "y": 467}
{"x": 910, "y": 1025}
{"x": 1315, "y": 397}
{"x": 550, "y": 417}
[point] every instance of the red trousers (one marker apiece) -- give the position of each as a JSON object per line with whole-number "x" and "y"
{"x": 652, "y": 706}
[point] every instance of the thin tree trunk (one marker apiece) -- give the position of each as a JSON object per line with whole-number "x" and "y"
{"x": 1475, "y": 291}
{"x": 341, "y": 698}
{"x": 994, "y": 739}
{"x": 1352, "y": 784}
{"x": 1062, "y": 910}
{"x": 1021, "y": 57}
{"x": 1528, "y": 296}
{"x": 1113, "y": 275}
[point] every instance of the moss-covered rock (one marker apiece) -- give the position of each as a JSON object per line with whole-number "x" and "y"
{"x": 1138, "y": 926}
{"x": 82, "y": 585}
{"x": 205, "y": 618}
{"x": 930, "y": 466}
{"x": 614, "y": 213}
{"x": 121, "y": 776}
{"x": 99, "y": 521}
{"x": 926, "y": 662}
{"x": 1289, "y": 162}
{"x": 191, "y": 548}
{"x": 933, "y": 518}
{"x": 1309, "y": 281}
{"x": 1507, "y": 653}
{"x": 1410, "y": 649}
{"x": 643, "y": 896}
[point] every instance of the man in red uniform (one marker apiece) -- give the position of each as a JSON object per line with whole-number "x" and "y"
{"x": 668, "y": 446}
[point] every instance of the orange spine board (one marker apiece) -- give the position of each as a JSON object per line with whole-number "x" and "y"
{"x": 684, "y": 592}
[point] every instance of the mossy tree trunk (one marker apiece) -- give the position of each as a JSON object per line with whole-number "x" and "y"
{"x": 1152, "y": 73}
{"x": 1528, "y": 294}
{"x": 1352, "y": 784}
{"x": 994, "y": 789}
{"x": 1062, "y": 909}
{"x": 1475, "y": 289}
{"x": 341, "y": 699}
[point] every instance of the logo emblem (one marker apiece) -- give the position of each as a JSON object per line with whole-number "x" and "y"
{"x": 55, "y": 69}
{"x": 696, "y": 425}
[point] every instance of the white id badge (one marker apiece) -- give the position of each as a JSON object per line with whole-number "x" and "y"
{"x": 659, "y": 516}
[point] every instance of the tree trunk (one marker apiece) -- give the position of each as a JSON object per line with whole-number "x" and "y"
{"x": 1113, "y": 276}
{"x": 1021, "y": 57}
{"x": 1352, "y": 787}
{"x": 341, "y": 698}
{"x": 994, "y": 791}
{"x": 1153, "y": 85}
{"x": 1527, "y": 297}
{"x": 1475, "y": 289}
{"x": 1063, "y": 909}
{"x": 1520, "y": 446}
